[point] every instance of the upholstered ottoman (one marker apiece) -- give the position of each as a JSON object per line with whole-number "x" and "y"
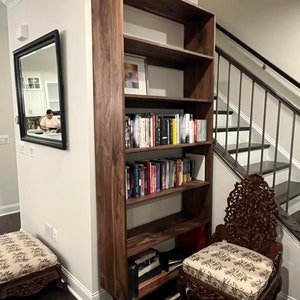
{"x": 238, "y": 271}
{"x": 26, "y": 265}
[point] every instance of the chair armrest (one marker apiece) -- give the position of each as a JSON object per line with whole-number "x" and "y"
{"x": 220, "y": 234}
{"x": 275, "y": 253}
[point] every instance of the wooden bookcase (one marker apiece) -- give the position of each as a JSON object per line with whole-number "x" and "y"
{"x": 115, "y": 242}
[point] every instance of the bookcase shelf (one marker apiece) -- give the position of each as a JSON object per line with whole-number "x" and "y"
{"x": 149, "y": 101}
{"x": 175, "y": 190}
{"x": 153, "y": 233}
{"x": 165, "y": 147}
{"x": 152, "y": 284}
{"x": 192, "y": 63}
{"x": 163, "y": 55}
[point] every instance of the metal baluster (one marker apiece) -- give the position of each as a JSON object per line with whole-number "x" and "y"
{"x": 291, "y": 162}
{"x": 276, "y": 143}
{"x": 217, "y": 98}
{"x": 227, "y": 113}
{"x": 263, "y": 132}
{"x": 239, "y": 116}
{"x": 251, "y": 121}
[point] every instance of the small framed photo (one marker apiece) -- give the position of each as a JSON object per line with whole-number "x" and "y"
{"x": 135, "y": 74}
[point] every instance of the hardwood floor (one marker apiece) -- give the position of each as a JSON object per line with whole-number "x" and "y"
{"x": 11, "y": 222}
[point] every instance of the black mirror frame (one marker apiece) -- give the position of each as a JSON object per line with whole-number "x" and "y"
{"x": 51, "y": 37}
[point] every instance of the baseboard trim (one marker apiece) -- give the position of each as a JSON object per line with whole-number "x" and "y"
{"x": 9, "y": 209}
{"x": 80, "y": 292}
{"x": 282, "y": 296}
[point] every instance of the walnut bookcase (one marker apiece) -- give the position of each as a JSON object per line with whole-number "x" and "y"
{"x": 115, "y": 242}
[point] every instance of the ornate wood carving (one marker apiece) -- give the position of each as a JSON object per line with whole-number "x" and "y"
{"x": 32, "y": 283}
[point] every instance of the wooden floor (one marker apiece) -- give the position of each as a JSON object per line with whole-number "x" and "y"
{"x": 9, "y": 223}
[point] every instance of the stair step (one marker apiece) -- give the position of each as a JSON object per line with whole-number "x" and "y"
{"x": 281, "y": 191}
{"x": 296, "y": 216}
{"x": 243, "y": 147}
{"x": 242, "y": 128}
{"x": 222, "y": 109}
{"x": 267, "y": 167}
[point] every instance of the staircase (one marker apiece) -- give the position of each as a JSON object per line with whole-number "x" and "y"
{"x": 252, "y": 124}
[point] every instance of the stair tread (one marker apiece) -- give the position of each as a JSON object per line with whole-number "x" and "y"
{"x": 222, "y": 109}
{"x": 296, "y": 216}
{"x": 234, "y": 128}
{"x": 243, "y": 147}
{"x": 267, "y": 167}
{"x": 281, "y": 191}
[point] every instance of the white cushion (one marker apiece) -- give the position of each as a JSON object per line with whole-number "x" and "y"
{"x": 236, "y": 270}
{"x": 21, "y": 253}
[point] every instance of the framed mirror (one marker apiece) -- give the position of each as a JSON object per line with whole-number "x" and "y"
{"x": 38, "y": 75}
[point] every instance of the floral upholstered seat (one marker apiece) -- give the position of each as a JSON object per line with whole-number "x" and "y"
{"x": 21, "y": 253}
{"x": 236, "y": 270}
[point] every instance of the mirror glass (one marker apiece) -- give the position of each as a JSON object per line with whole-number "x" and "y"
{"x": 40, "y": 92}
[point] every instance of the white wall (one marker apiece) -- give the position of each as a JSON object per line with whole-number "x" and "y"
{"x": 270, "y": 27}
{"x": 56, "y": 186}
{"x": 9, "y": 196}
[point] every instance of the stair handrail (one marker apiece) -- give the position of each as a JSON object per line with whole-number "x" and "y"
{"x": 259, "y": 56}
{"x": 255, "y": 78}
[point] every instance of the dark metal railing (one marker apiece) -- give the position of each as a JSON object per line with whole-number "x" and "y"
{"x": 273, "y": 103}
{"x": 259, "y": 57}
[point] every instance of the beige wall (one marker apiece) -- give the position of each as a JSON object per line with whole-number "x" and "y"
{"x": 56, "y": 186}
{"x": 9, "y": 196}
{"x": 270, "y": 27}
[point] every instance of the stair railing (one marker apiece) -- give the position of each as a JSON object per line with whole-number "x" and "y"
{"x": 231, "y": 154}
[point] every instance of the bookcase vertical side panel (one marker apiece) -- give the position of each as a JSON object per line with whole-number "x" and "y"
{"x": 107, "y": 30}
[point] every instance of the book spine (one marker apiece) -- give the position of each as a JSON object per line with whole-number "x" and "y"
{"x": 157, "y": 130}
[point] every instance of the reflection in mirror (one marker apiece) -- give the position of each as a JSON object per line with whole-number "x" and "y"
{"x": 39, "y": 92}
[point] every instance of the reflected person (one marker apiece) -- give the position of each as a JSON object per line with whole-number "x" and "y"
{"x": 49, "y": 122}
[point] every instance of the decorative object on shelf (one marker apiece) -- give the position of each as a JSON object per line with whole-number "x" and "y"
{"x": 135, "y": 74}
{"x": 245, "y": 255}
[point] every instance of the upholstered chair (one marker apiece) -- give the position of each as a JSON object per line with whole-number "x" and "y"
{"x": 243, "y": 260}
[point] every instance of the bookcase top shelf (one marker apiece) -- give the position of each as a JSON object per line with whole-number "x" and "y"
{"x": 175, "y": 190}
{"x": 146, "y": 236}
{"x": 167, "y": 55}
{"x": 182, "y": 11}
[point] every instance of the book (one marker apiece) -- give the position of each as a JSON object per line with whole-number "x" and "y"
{"x": 198, "y": 166}
{"x": 148, "y": 265}
{"x": 150, "y": 274}
{"x": 143, "y": 256}
{"x": 133, "y": 287}
{"x": 172, "y": 259}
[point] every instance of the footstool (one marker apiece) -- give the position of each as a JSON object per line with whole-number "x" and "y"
{"x": 26, "y": 265}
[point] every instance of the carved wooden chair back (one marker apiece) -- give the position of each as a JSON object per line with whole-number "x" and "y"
{"x": 251, "y": 214}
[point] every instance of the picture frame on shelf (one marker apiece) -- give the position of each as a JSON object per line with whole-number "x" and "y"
{"x": 135, "y": 74}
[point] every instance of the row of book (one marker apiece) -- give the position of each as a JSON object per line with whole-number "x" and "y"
{"x": 149, "y": 130}
{"x": 145, "y": 177}
{"x": 150, "y": 263}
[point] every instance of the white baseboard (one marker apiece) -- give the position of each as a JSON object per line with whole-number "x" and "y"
{"x": 80, "y": 292}
{"x": 9, "y": 209}
{"x": 281, "y": 296}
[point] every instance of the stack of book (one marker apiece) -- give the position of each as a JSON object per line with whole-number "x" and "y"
{"x": 142, "y": 267}
{"x": 172, "y": 259}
